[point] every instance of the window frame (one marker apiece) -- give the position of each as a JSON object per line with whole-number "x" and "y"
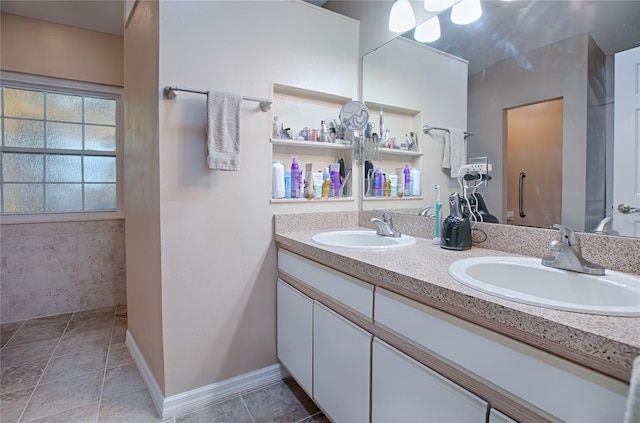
{"x": 71, "y": 87}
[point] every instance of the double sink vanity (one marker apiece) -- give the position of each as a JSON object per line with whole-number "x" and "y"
{"x": 385, "y": 332}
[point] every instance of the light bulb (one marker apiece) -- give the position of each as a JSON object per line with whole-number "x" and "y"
{"x": 401, "y": 18}
{"x": 428, "y": 31}
{"x": 437, "y": 5}
{"x": 466, "y": 11}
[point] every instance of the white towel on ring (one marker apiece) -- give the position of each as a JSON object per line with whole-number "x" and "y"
{"x": 223, "y": 130}
{"x": 454, "y": 155}
{"x": 632, "y": 413}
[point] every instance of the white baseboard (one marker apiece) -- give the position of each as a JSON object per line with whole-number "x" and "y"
{"x": 186, "y": 402}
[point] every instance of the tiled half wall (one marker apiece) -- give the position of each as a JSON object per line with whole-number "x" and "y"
{"x": 55, "y": 268}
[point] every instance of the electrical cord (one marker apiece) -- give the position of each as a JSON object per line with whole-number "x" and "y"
{"x": 482, "y": 232}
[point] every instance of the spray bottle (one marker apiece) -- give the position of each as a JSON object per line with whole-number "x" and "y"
{"x": 436, "y": 239}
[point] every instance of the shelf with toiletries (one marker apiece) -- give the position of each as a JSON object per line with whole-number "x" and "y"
{"x": 304, "y": 127}
{"x": 398, "y": 152}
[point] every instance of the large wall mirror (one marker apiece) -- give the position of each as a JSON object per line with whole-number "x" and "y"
{"x": 540, "y": 83}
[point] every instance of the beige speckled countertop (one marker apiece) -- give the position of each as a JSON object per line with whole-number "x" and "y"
{"x": 604, "y": 343}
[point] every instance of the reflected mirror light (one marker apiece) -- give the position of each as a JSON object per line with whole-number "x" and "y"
{"x": 401, "y": 18}
{"x": 437, "y": 5}
{"x": 466, "y": 12}
{"x": 428, "y": 31}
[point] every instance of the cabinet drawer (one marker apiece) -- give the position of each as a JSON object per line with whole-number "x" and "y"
{"x": 350, "y": 291}
{"x": 404, "y": 390}
{"x": 553, "y": 385}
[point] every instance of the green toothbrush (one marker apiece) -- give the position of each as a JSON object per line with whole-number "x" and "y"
{"x": 438, "y": 207}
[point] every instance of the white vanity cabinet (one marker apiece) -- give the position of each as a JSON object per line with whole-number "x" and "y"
{"x": 341, "y": 357}
{"x": 295, "y": 333}
{"x": 403, "y": 390}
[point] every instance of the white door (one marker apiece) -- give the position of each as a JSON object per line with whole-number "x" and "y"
{"x": 403, "y": 390}
{"x": 341, "y": 364}
{"x": 295, "y": 333}
{"x": 626, "y": 149}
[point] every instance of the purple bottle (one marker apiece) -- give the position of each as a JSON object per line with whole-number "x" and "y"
{"x": 377, "y": 182}
{"x": 295, "y": 178}
{"x": 335, "y": 179}
{"x": 407, "y": 180}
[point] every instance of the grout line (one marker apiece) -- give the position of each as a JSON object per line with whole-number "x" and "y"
{"x": 14, "y": 334}
{"x": 106, "y": 363}
{"x": 319, "y": 413}
{"x": 45, "y": 367}
{"x": 247, "y": 408}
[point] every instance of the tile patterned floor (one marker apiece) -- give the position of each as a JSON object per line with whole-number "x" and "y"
{"x": 76, "y": 368}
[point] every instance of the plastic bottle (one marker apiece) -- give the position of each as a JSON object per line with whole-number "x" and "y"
{"x": 415, "y": 187}
{"x": 335, "y": 179}
{"x": 295, "y": 178}
{"x": 407, "y": 180}
{"x": 317, "y": 184}
{"x": 326, "y": 188}
{"x": 377, "y": 182}
{"x": 386, "y": 189}
{"x": 393, "y": 185}
{"x": 287, "y": 185}
{"x": 324, "y": 135}
{"x": 277, "y": 179}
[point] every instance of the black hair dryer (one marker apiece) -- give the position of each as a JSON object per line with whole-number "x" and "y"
{"x": 456, "y": 228}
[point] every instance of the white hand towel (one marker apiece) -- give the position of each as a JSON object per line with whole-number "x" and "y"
{"x": 454, "y": 154}
{"x": 223, "y": 130}
{"x": 632, "y": 413}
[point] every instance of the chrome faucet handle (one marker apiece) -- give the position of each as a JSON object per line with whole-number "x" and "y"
{"x": 569, "y": 237}
{"x": 386, "y": 216}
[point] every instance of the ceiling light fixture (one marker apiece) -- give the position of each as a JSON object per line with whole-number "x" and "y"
{"x": 437, "y": 5}
{"x": 428, "y": 31}
{"x": 466, "y": 11}
{"x": 401, "y": 18}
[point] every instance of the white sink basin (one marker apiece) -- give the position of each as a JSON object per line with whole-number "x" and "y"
{"x": 368, "y": 240}
{"x": 525, "y": 280}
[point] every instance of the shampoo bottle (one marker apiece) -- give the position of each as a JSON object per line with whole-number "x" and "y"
{"x": 415, "y": 186}
{"x": 295, "y": 178}
{"x": 335, "y": 179}
{"x": 377, "y": 182}
{"x": 386, "y": 189}
{"x": 393, "y": 185}
{"x": 287, "y": 185}
{"x": 277, "y": 179}
{"x": 407, "y": 180}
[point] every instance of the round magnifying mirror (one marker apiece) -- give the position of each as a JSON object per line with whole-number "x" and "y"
{"x": 354, "y": 115}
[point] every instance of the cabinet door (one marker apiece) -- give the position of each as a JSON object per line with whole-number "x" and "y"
{"x": 404, "y": 390}
{"x": 295, "y": 333}
{"x": 341, "y": 360}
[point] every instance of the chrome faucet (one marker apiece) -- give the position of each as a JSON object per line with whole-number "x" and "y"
{"x": 425, "y": 212}
{"x": 568, "y": 254}
{"x": 385, "y": 225}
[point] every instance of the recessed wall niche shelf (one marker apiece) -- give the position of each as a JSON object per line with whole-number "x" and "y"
{"x": 397, "y": 152}
{"x": 299, "y": 108}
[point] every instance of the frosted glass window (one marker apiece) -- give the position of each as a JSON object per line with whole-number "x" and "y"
{"x": 23, "y": 133}
{"x": 99, "y": 197}
{"x": 23, "y": 103}
{"x": 58, "y": 147}
{"x": 63, "y": 197}
{"x": 100, "y": 111}
{"x": 23, "y": 198}
{"x": 19, "y": 167}
{"x": 66, "y": 108}
{"x": 101, "y": 138}
{"x": 66, "y": 136}
{"x": 64, "y": 168}
{"x": 99, "y": 169}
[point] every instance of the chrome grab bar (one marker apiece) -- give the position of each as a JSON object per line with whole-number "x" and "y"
{"x": 521, "y": 194}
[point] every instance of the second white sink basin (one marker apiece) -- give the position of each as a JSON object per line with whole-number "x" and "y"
{"x": 367, "y": 240}
{"x": 526, "y": 280}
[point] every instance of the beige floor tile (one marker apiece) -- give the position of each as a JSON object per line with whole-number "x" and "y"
{"x": 135, "y": 406}
{"x": 21, "y": 377}
{"x": 12, "y": 405}
{"x": 231, "y": 410}
{"x": 84, "y": 414}
{"x": 44, "y": 321}
{"x": 37, "y": 333}
{"x": 281, "y": 402}
{"x": 122, "y": 379}
{"x": 83, "y": 340}
{"x": 26, "y": 353}
{"x": 119, "y": 331}
{"x": 56, "y": 397}
{"x": 119, "y": 355}
{"x": 90, "y": 322}
{"x": 75, "y": 364}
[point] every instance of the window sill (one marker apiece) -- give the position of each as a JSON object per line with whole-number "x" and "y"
{"x": 15, "y": 219}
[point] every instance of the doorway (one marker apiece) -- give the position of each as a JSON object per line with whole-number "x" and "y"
{"x": 534, "y": 163}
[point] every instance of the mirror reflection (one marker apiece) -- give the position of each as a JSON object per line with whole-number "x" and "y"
{"x": 541, "y": 87}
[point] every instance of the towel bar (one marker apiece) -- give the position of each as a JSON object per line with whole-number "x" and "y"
{"x": 170, "y": 93}
{"x": 427, "y": 128}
